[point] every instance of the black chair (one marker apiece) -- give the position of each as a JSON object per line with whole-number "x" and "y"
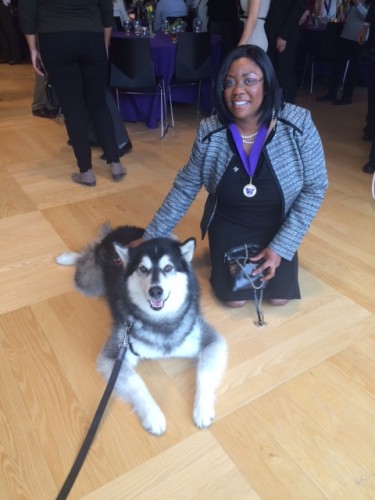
{"x": 132, "y": 72}
{"x": 193, "y": 63}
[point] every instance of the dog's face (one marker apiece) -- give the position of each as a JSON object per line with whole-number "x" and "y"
{"x": 157, "y": 274}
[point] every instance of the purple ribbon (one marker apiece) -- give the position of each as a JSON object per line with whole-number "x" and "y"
{"x": 249, "y": 161}
{"x": 327, "y": 6}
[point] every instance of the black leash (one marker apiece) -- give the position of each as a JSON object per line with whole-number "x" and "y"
{"x": 76, "y": 467}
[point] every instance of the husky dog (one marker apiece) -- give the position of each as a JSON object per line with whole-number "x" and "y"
{"x": 151, "y": 286}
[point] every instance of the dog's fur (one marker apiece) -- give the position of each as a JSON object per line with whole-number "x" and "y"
{"x": 153, "y": 286}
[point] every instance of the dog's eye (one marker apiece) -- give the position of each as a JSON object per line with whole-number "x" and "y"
{"x": 143, "y": 269}
{"x": 168, "y": 268}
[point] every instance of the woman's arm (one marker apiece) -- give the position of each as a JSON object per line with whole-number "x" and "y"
{"x": 34, "y": 54}
{"x": 303, "y": 171}
{"x": 252, "y": 17}
{"x": 186, "y": 186}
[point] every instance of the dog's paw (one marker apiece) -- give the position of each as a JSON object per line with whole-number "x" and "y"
{"x": 203, "y": 415}
{"x": 155, "y": 422}
{"x": 67, "y": 258}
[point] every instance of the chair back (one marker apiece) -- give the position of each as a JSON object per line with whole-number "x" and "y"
{"x": 193, "y": 57}
{"x": 131, "y": 65}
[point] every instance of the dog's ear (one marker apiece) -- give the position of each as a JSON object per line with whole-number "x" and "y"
{"x": 187, "y": 249}
{"x": 122, "y": 252}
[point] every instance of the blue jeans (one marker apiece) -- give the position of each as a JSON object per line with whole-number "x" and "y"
{"x": 76, "y": 63}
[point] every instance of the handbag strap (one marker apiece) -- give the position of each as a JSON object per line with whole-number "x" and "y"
{"x": 258, "y": 297}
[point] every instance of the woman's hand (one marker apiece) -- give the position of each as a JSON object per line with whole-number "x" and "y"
{"x": 36, "y": 60}
{"x": 280, "y": 44}
{"x": 270, "y": 264}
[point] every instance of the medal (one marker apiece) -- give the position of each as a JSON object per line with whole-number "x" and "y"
{"x": 249, "y": 161}
{"x": 249, "y": 190}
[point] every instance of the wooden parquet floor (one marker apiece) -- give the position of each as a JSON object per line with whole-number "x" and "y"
{"x": 296, "y": 408}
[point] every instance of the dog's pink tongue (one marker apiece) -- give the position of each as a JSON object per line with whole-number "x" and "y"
{"x": 157, "y": 304}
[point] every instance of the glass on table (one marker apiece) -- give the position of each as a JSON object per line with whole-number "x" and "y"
{"x": 137, "y": 27}
{"x": 127, "y": 27}
{"x": 174, "y": 34}
{"x": 144, "y": 31}
{"x": 165, "y": 27}
{"x": 197, "y": 26}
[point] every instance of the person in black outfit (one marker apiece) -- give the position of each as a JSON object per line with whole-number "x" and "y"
{"x": 282, "y": 29}
{"x": 10, "y": 50}
{"x": 224, "y": 21}
{"x": 369, "y": 130}
{"x": 73, "y": 39}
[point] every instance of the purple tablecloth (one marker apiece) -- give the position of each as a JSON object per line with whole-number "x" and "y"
{"x": 145, "y": 108}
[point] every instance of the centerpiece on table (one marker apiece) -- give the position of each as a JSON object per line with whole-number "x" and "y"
{"x": 149, "y": 12}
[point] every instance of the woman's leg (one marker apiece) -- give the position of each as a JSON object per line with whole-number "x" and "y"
{"x": 60, "y": 54}
{"x": 94, "y": 75}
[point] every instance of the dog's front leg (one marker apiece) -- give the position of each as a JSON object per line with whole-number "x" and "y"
{"x": 212, "y": 361}
{"x": 131, "y": 387}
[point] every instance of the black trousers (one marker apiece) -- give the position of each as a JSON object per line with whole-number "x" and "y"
{"x": 9, "y": 46}
{"x": 76, "y": 63}
{"x": 284, "y": 63}
{"x": 370, "y": 117}
{"x": 347, "y": 50}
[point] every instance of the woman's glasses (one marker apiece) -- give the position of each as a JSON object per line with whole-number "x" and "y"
{"x": 246, "y": 83}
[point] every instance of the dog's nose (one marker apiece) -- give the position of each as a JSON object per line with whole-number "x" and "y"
{"x": 156, "y": 292}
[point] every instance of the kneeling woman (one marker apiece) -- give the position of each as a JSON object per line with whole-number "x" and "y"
{"x": 263, "y": 165}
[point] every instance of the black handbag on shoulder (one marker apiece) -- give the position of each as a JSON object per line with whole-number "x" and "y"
{"x": 241, "y": 270}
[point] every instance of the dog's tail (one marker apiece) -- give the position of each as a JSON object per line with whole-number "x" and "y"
{"x": 68, "y": 258}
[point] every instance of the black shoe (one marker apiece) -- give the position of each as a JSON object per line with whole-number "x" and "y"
{"x": 12, "y": 62}
{"x": 368, "y": 168}
{"x": 45, "y": 113}
{"x": 342, "y": 101}
{"x": 122, "y": 151}
{"x": 4, "y": 60}
{"x": 325, "y": 98}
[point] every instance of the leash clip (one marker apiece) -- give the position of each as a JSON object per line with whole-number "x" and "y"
{"x": 126, "y": 342}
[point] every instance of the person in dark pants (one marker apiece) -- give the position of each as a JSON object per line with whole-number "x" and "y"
{"x": 283, "y": 32}
{"x": 347, "y": 58}
{"x": 10, "y": 50}
{"x": 368, "y": 29}
{"x": 224, "y": 21}
{"x": 73, "y": 39}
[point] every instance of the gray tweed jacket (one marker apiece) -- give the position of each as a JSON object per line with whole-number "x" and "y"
{"x": 295, "y": 156}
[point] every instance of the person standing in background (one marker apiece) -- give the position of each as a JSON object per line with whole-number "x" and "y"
{"x": 348, "y": 52}
{"x": 40, "y": 106}
{"x": 255, "y": 15}
{"x": 69, "y": 39}
{"x": 368, "y": 32}
{"x": 224, "y": 21}
{"x": 168, "y": 8}
{"x": 119, "y": 10}
{"x": 283, "y": 33}
{"x": 10, "y": 50}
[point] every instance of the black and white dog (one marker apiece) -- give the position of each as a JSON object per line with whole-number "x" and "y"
{"x": 153, "y": 287}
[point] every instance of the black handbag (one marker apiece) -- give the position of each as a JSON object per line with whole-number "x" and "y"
{"x": 52, "y": 98}
{"x": 241, "y": 268}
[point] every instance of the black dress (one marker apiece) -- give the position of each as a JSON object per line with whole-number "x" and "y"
{"x": 239, "y": 220}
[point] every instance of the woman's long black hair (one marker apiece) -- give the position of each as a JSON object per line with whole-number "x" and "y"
{"x": 272, "y": 100}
